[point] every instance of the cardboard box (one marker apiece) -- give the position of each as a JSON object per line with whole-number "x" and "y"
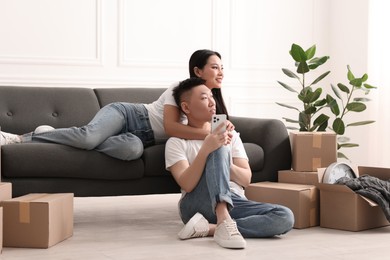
{"x": 1, "y": 230}
{"x": 301, "y": 199}
{"x": 312, "y": 150}
{"x": 37, "y": 220}
{"x": 342, "y": 208}
{"x": 5, "y": 191}
{"x": 308, "y": 178}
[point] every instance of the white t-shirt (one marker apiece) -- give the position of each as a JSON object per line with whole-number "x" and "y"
{"x": 177, "y": 149}
{"x": 156, "y": 113}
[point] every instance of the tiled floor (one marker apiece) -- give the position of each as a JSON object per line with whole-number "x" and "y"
{"x": 145, "y": 227}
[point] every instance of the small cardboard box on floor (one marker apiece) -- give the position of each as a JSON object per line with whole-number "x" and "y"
{"x": 301, "y": 199}
{"x": 37, "y": 220}
{"x": 342, "y": 208}
{"x": 312, "y": 150}
{"x": 5, "y": 194}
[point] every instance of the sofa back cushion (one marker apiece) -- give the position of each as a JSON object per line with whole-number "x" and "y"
{"x": 22, "y": 109}
{"x": 132, "y": 95}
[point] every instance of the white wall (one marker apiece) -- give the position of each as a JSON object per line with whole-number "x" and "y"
{"x": 131, "y": 43}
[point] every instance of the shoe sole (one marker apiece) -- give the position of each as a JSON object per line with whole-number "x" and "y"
{"x": 187, "y": 229}
{"x": 231, "y": 244}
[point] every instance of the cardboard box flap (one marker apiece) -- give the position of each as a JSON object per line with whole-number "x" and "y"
{"x": 381, "y": 173}
{"x": 287, "y": 186}
{"x": 40, "y": 197}
{"x": 371, "y": 202}
{"x": 344, "y": 189}
{"x": 334, "y": 188}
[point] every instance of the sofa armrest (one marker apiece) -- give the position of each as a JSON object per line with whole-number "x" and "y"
{"x": 272, "y": 137}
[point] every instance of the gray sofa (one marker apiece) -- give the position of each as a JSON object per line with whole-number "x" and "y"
{"x": 47, "y": 167}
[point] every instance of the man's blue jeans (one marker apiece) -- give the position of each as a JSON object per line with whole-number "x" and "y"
{"x": 120, "y": 130}
{"x": 254, "y": 219}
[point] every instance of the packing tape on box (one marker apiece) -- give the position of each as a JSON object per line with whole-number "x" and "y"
{"x": 316, "y": 163}
{"x": 317, "y": 140}
{"x": 24, "y": 212}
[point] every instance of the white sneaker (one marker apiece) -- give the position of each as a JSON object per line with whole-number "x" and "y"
{"x": 197, "y": 226}
{"x": 43, "y": 128}
{"x": 7, "y": 138}
{"x": 227, "y": 235}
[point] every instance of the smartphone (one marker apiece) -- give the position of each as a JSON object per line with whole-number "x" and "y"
{"x": 217, "y": 120}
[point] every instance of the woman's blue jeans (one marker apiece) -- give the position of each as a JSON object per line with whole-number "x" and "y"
{"x": 254, "y": 219}
{"x": 120, "y": 130}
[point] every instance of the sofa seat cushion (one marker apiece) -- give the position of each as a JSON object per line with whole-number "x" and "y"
{"x": 154, "y": 158}
{"x": 60, "y": 161}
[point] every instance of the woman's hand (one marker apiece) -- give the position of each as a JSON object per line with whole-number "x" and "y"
{"x": 229, "y": 126}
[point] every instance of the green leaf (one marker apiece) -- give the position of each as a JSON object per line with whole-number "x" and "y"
{"x": 361, "y": 99}
{"x": 333, "y": 105}
{"x": 343, "y": 88}
{"x": 320, "y": 78}
{"x": 367, "y": 86}
{"x": 302, "y": 67}
{"x": 341, "y": 155}
{"x": 310, "y": 110}
{"x": 287, "y": 87}
{"x": 320, "y": 103}
{"x": 356, "y": 107}
{"x": 316, "y": 62}
{"x": 356, "y": 82}
{"x": 350, "y": 76}
{"x": 310, "y": 52}
{"x": 321, "y": 122}
{"x": 364, "y": 78}
{"x": 336, "y": 92}
{"x": 361, "y": 123}
{"x": 287, "y": 106}
{"x": 348, "y": 145}
{"x": 338, "y": 126}
{"x": 290, "y": 73}
{"x": 313, "y": 96}
{"x": 291, "y": 120}
{"x": 303, "y": 121}
{"x": 298, "y": 53}
{"x": 343, "y": 139}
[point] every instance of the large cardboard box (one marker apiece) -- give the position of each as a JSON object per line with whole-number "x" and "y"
{"x": 301, "y": 199}
{"x": 312, "y": 150}
{"x": 1, "y": 230}
{"x": 5, "y": 191}
{"x": 342, "y": 208}
{"x": 37, "y": 220}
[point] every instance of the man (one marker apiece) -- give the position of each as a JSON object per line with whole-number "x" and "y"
{"x": 212, "y": 173}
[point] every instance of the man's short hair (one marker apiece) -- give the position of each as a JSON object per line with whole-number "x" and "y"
{"x": 185, "y": 86}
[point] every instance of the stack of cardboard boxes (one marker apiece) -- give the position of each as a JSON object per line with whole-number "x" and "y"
{"x": 34, "y": 220}
{"x": 313, "y": 202}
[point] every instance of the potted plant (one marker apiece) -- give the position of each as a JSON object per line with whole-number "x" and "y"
{"x": 312, "y": 116}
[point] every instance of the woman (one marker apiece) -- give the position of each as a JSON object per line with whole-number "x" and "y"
{"x": 122, "y": 130}
{"x": 205, "y": 64}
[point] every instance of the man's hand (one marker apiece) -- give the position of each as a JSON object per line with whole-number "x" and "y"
{"x": 216, "y": 139}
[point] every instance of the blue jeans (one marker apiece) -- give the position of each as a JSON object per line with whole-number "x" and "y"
{"x": 254, "y": 219}
{"x": 120, "y": 130}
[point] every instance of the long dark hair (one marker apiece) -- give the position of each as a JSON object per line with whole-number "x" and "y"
{"x": 199, "y": 59}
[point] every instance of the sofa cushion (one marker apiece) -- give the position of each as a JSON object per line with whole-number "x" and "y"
{"x": 154, "y": 159}
{"x": 255, "y": 155}
{"x": 37, "y": 160}
{"x": 132, "y": 95}
{"x": 22, "y": 109}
